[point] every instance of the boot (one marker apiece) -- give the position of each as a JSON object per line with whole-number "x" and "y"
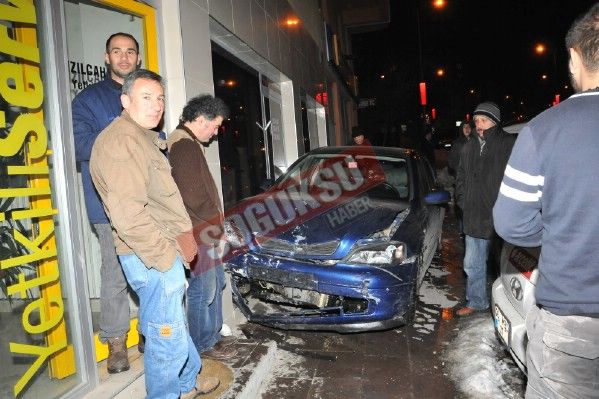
{"x": 141, "y": 345}
{"x": 117, "y": 355}
{"x": 203, "y": 386}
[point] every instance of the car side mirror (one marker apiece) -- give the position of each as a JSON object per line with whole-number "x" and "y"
{"x": 437, "y": 197}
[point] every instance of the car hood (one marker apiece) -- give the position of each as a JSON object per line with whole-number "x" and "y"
{"x": 331, "y": 233}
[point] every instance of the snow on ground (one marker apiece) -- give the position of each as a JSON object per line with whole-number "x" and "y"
{"x": 476, "y": 361}
{"x": 478, "y": 364}
{"x": 433, "y": 295}
{"x": 287, "y": 372}
{"x": 434, "y": 298}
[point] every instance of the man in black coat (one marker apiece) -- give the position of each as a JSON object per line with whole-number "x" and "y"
{"x": 464, "y": 134}
{"x": 482, "y": 162}
{"x": 453, "y": 161}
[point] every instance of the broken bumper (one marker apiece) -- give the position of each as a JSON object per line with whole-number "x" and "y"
{"x": 291, "y": 294}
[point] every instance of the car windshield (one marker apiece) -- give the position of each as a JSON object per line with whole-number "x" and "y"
{"x": 387, "y": 177}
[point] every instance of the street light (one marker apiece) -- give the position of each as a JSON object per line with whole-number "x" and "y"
{"x": 438, "y": 4}
{"x": 541, "y": 49}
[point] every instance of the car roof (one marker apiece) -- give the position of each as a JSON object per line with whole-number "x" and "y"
{"x": 367, "y": 150}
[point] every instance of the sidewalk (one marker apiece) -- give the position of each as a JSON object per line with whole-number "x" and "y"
{"x": 241, "y": 377}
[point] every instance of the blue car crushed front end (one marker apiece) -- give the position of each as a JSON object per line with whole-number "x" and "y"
{"x": 340, "y": 242}
{"x": 291, "y": 294}
{"x": 312, "y": 285}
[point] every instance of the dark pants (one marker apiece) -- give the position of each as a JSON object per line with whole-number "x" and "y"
{"x": 114, "y": 295}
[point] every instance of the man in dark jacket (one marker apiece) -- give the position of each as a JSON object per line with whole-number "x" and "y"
{"x": 453, "y": 161}
{"x": 464, "y": 134}
{"x": 93, "y": 109}
{"x": 482, "y": 163}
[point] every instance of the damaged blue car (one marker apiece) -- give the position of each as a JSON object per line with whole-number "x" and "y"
{"x": 341, "y": 241}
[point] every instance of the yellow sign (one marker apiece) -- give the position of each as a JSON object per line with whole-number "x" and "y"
{"x": 22, "y": 88}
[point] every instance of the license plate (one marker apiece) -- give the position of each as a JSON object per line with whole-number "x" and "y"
{"x": 502, "y": 325}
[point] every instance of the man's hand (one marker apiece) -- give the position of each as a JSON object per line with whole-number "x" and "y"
{"x": 187, "y": 245}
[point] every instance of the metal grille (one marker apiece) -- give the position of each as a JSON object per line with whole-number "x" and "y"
{"x": 321, "y": 248}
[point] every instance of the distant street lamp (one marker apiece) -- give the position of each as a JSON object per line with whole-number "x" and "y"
{"x": 440, "y": 72}
{"x": 438, "y": 4}
{"x": 541, "y": 49}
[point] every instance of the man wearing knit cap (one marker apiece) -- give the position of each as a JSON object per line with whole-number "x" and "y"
{"x": 482, "y": 163}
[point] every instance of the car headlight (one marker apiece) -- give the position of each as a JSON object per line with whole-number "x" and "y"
{"x": 379, "y": 254}
{"x": 392, "y": 228}
{"x": 236, "y": 236}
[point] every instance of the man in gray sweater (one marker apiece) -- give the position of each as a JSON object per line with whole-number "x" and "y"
{"x": 547, "y": 198}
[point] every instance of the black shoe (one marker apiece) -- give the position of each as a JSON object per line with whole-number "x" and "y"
{"x": 141, "y": 344}
{"x": 219, "y": 352}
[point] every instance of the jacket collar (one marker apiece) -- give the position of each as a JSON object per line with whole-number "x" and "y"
{"x": 193, "y": 136}
{"x": 181, "y": 126}
{"x": 113, "y": 83}
{"x": 153, "y": 135}
{"x": 489, "y": 132}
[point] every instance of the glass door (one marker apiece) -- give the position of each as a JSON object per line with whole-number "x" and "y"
{"x": 272, "y": 127}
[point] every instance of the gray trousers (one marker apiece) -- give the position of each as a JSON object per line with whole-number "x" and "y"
{"x": 562, "y": 357}
{"x": 114, "y": 296}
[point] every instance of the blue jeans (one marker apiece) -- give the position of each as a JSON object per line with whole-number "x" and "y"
{"x": 171, "y": 361}
{"x": 475, "y": 267}
{"x": 204, "y": 307}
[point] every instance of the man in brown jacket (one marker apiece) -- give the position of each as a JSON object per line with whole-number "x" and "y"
{"x": 152, "y": 234}
{"x": 199, "y": 123}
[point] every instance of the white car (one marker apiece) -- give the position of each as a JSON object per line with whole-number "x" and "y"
{"x": 513, "y": 296}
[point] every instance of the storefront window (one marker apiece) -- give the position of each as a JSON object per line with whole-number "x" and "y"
{"x": 39, "y": 326}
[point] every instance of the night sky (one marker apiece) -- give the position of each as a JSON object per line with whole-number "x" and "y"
{"x": 483, "y": 45}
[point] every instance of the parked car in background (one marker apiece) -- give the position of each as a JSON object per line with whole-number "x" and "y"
{"x": 515, "y": 128}
{"x": 512, "y": 296}
{"x": 353, "y": 264}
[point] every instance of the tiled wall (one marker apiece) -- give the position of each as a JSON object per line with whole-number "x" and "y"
{"x": 260, "y": 24}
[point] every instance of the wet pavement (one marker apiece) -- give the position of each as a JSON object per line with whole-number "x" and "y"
{"x": 438, "y": 356}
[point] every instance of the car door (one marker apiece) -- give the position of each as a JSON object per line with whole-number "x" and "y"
{"x": 432, "y": 216}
